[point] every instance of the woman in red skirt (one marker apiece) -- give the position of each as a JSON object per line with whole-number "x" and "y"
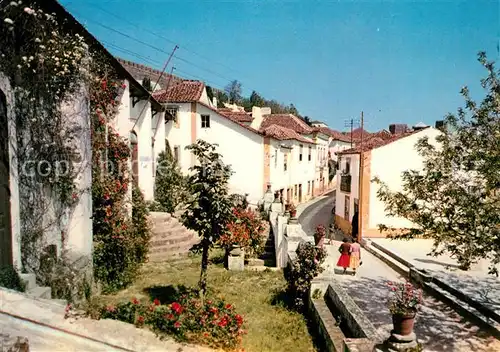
{"x": 344, "y": 259}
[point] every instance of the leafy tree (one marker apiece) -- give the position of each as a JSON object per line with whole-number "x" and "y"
{"x": 221, "y": 98}
{"x": 233, "y": 91}
{"x": 307, "y": 120}
{"x": 455, "y": 200}
{"x": 293, "y": 110}
{"x": 210, "y": 93}
{"x": 170, "y": 185}
{"x": 210, "y": 210}
{"x": 256, "y": 99}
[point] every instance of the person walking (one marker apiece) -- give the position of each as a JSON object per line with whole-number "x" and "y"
{"x": 355, "y": 255}
{"x": 344, "y": 260}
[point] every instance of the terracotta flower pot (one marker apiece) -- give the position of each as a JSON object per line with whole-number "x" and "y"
{"x": 403, "y": 323}
{"x": 293, "y": 213}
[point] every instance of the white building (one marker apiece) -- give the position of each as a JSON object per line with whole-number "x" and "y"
{"x": 385, "y": 158}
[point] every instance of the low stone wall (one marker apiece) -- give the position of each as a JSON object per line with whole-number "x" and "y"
{"x": 356, "y": 321}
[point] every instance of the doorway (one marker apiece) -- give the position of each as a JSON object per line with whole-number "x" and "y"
{"x": 300, "y": 193}
{"x": 5, "y": 221}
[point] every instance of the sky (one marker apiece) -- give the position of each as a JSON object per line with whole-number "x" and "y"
{"x": 397, "y": 61}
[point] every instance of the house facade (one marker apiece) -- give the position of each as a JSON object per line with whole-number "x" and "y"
{"x": 385, "y": 158}
{"x": 72, "y": 233}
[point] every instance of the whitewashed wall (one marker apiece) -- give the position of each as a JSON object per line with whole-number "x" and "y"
{"x": 388, "y": 162}
{"x": 180, "y": 135}
{"x": 240, "y": 148}
{"x": 354, "y": 194}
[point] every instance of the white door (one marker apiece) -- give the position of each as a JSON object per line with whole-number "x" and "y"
{"x": 5, "y": 228}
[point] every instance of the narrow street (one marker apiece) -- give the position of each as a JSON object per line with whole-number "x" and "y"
{"x": 438, "y": 327}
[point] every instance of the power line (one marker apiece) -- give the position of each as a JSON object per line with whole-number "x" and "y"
{"x": 158, "y": 35}
{"x": 156, "y": 48}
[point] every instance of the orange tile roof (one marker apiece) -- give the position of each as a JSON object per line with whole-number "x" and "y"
{"x": 283, "y": 133}
{"x": 377, "y": 141}
{"x": 288, "y": 121}
{"x": 237, "y": 115}
{"x": 334, "y": 134}
{"x": 181, "y": 92}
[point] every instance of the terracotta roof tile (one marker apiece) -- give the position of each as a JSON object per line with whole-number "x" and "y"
{"x": 283, "y": 133}
{"x": 139, "y": 71}
{"x": 288, "y": 121}
{"x": 231, "y": 118}
{"x": 377, "y": 141}
{"x": 334, "y": 134}
{"x": 236, "y": 115}
{"x": 181, "y": 92}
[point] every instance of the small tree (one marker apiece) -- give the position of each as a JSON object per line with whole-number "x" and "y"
{"x": 170, "y": 185}
{"x": 233, "y": 91}
{"x": 455, "y": 199}
{"x": 210, "y": 210}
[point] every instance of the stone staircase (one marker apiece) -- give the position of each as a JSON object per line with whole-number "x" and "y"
{"x": 38, "y": 292}
{"x": 268, "y": 258}
{"x": 170, "y": 238}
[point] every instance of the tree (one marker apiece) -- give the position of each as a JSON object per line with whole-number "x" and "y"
{"x": 256, "y": 99}
{"x": 233, "y": 91}
{"x": 146, "y": 83}
{"x": 210, "y": 210}
{"x": 221, "y": 98}
{"x": 307, "y": 120}
{"x": 455, "y": 200}
{"x": 170, "y": 184}
{"x": 210, "y": 93}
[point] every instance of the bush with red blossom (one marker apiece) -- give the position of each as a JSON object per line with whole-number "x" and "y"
{"x": 247, "y": 231}
{"x": 213, "y": 322}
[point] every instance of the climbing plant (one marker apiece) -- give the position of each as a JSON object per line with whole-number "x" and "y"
{"x": 46, "y": 66}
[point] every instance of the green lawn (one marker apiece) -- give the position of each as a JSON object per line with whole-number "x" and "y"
{"x": 270, "y": 326}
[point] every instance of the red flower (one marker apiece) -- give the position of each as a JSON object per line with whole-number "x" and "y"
{"x": 239, "y": 319}
{"x": 176, "y": 307}
{"x": 177, "y": 325}
{"x": 222, "y": 322}
{"x": 213, "y": 309}
{"x": 206, "y": 334}
{"x": 140, "y": 320}
{"x": 228, "y": 306}
{"x": 74, "y": 195}
{"x": 156, "y": 301}
{"x": 124, "y": 86}
{"x": 169, "y": 317}
{"x": 135, "y": 301}
{"x": 111, "y": 309}
{"x": 104, "y": 85}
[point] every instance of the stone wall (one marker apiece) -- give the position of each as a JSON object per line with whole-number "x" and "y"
{"x": 13, "y": 343}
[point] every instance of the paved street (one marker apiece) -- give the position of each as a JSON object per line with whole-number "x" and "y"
{"x": 320, "y": 212}
{"x": 438, "y": 327}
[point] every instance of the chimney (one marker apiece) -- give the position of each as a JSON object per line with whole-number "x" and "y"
{"x": 257, "y": 117}
{"x": 265, "y": 110}
{"x": 398, "y": 128}
{"x": 214, "y": 101}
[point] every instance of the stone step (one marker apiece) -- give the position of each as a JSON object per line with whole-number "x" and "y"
{"x": 171, "y": 238}
{"x": 40, "y": 292}
{"x": 168, "y": 256}
{"x": 261, "y": 268}
{"x": 29, "y": 281}
{"x": 261, "y": 262}
{"x": 168, "y": 232}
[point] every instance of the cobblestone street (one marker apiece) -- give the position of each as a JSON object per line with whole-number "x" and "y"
{"x": 438, "y": 327}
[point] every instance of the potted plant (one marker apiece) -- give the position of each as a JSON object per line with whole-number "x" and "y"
{"x": 319, "y": 235}
{"x": 403, "y": 306}
{"x": 292, "y": 210}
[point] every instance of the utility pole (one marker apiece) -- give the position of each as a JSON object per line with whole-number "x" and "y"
{"x": 351, "y": 123}
{"x": 360, "y": 186}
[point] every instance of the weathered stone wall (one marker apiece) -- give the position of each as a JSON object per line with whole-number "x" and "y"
{"x": 13, "y": 343}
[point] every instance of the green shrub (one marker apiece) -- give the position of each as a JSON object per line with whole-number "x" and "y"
{"x": 211, "y": 322}
{"x": 9, "y": 278}
{"x": 170, "y": 185}
{"x": 302, "y": 271}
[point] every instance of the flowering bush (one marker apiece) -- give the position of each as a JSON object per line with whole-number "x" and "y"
{"x": 302, "y": 271}
{"x": 213, "y": 323}
{"x": 406, "y": 298}
{"x": 246, "y": 230}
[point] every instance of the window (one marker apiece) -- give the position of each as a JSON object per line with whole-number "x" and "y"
{"x": 308, "y": 187}
{"x": 275, "y": 158}
{"x": 347, "y": 166}
{"x": 310, "y": 153}
{"x": 295, "y": 191}
{"x": 176, "y": 154}
{"x": 173, "y": 111}
{"x": 205, "y": 121}
{"x": 356, "y": 205}
{"x": 300, "y": 152}
{"x": 347, "y": 205}
{"x": 285, "y": 166}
